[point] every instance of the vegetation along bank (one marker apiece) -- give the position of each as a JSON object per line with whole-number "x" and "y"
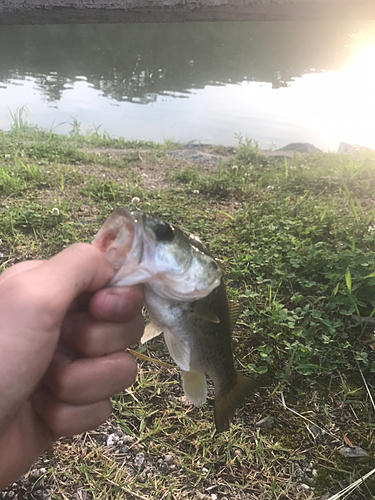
{"x": 296, "y": 236}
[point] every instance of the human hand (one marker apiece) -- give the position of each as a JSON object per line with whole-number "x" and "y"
{"x": 62, "y": 341}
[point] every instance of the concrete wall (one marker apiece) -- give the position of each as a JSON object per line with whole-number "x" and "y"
{"x": 104, "y": 11}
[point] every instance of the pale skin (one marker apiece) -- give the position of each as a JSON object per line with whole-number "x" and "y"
{"x": 62, "y": 351}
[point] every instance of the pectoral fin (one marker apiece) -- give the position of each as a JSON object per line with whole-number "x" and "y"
{"x": 202, "y": 311}
{"x": 152, "y": 330}
{"x": 195, "y": 386}
{"x": 178, "y": 349}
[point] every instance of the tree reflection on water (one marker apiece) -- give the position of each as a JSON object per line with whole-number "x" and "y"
{"x": 138, "y": 62}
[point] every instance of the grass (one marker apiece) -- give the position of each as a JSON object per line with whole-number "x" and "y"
{"x": 296, "y": 238}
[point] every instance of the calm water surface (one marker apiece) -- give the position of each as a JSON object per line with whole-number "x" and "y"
{"x": 272, "y": 82}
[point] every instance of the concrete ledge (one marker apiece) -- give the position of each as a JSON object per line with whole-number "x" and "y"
{"x": 123, "y": 11}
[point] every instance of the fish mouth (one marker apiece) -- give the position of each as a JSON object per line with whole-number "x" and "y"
{"x": 120, "y": 239}
{"x": 125, "y": 244}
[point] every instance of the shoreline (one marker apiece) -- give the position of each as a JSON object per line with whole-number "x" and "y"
{"x": 148, "y": 11}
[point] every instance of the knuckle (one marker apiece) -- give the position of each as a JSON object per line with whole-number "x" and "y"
{"x": 64, "y": 385}
{"x": 92, "y": 342}
{"x": 84, "y": 249}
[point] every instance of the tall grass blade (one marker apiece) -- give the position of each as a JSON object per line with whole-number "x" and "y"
{"x": 348, "y": 280}
{"x": 350, "y": 201}
{"x": 349, "y": 489}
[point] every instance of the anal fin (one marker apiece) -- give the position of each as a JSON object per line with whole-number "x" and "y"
{"x": 195, "y": 386}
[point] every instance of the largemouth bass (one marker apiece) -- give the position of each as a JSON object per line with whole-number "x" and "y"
{"x": 185, "y": 297}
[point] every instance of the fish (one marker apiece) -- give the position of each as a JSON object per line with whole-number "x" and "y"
{"x": 186, "y": 299}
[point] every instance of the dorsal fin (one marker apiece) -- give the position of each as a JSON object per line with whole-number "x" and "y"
{"x": 221, "y": 265}
{"x": 202, "y": 311}
{"x": 234, "y": 312}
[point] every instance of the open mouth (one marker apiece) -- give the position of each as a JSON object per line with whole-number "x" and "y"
{"x": 117, "y": 236}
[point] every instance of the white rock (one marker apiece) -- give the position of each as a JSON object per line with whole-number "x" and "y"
{"x": 111, "y": 440}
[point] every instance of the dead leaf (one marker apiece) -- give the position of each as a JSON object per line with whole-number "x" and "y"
{"x": 348, "y": 442}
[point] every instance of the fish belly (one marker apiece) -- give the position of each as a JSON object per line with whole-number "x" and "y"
{"x": 173, "y": 319}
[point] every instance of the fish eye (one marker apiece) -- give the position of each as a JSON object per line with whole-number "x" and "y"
{"x": 164, "y": 232}
{"x": 213, "y": 265}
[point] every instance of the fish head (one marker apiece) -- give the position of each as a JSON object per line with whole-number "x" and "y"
{"x": 144, "y": 249}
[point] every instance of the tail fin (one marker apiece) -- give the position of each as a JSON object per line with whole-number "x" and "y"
{"x": 226, "y": 404}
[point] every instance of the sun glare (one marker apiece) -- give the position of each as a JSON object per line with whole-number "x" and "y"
{"x": 341, "y": 104}
{"x": 358, "y": 81}
{"x": 359, "y": 87}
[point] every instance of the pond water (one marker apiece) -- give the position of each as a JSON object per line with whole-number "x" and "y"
{"x": 274, "y": 82}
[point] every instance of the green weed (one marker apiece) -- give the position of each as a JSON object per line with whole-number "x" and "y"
{"x": 19, "y": 120}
